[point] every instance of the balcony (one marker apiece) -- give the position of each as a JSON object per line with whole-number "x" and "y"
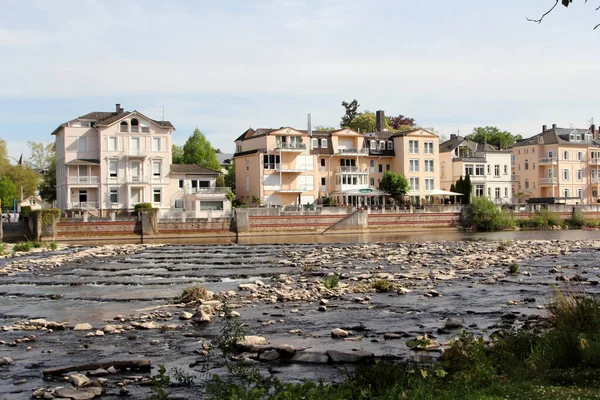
{"x": 88, "y": 205}
{"x": 515, "y": 178}
{"x": 547, "y": 160}
{"x": 288, "y": 168}
{"x": 356, "y": 170}
{"x": 548, "y": 181}
{"x": 208, "y": 191}
{"x": 135, "y": 153}
{"x": 353, "y": 152}
{"x": 136, "y": 179}
{"x": 290, "y": 147}
{"x": 477, "y": 178}
{"x": 595, "y": 180}
{"x": 594, "y": 161}
{"x": 83, "y": 180}
{"x": 344, "y": 187}
{"x": 290, "y": 189}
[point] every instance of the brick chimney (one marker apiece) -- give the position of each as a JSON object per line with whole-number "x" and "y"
{"x": 553, "y": 126}
{"x": 118, "y": 110}
{"x": 453, "y": 136}
{"x": 380, "y": 120}
{"x": 544, "y": 127}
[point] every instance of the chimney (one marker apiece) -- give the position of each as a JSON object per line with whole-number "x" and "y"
{"x": 309, "y": 126}
{"x": 453, "y": 136}
{"x": 544, "y": 127}
{"x": 118, "y": 108}
{"x": 380, "y": 120}
{"x": 593, "y": 128}
{"x": 553, "y": 126}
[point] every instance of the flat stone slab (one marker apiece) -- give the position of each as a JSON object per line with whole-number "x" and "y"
{"x": 311, "y": 357}
{"x": 356, "y": 356}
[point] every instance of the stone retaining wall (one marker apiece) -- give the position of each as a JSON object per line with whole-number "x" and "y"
{"x": 213, "y": 226}
{"x": 293, "y": 223}
{"x": 76, "y": 230}
{"x": 403, "y": 221}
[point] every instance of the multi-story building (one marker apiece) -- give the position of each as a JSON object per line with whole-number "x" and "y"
{"x": 559, "y": 165}
{"x": 488, "y": 168}
{"x": 114, "y": 160}
{"x": 288, "y": 166}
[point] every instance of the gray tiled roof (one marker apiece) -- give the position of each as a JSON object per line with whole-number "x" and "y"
{"x": 558, "y": 136}
{"x": 224, "y": 158}
{"x": 106, "y": 118}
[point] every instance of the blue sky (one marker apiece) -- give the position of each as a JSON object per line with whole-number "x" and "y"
{"x": 225, "y": 66}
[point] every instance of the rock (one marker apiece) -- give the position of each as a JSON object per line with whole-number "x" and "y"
{"x": 78, "y": 394}
{"x": 248, "y": 286}
{"x": 98, "y": 372}
{"x": 356, "y": 356}
{"x": 403, "y": 290}
{"x": 79, "y": 379}
{"x": 202, "y": 317}
{"x": 284, "y": 350}
{"x": 513, "y": 302}
{"x": 453, "y": 323}
{"x": 99, "y": 333}
{"x": 111, "y": 370}
{"x": 112, "y": 328}
{"x": 322, "y": 308}
{"x": 339, "y": 333}
{"x": 310, "y": 357}
{"x": 6, "y": 361}
{"x": 252, "y": 341}
{"x": 323, "y": 302}
{"x": 185, "y": 315}
{"x": 147, "y": 325}
{"x": 269, "y": 355}
{"x": 83, "y": 327}
{"x": 392, "y": 336}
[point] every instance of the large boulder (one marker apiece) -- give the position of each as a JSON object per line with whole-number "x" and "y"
{"x": 356, "y": 356}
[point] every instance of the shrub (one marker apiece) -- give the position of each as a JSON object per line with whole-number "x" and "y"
{"x": 382, "y": 285}
{"x": 53, "y": 246}
{"x": 47, "y": 215}
{"x": 142, "y": 206}
{"x": 331, "y": 281}
{"x": 577, "y": 220}
{"x": 192, "y": 294}
{"x": 485, "y": 216}
{"x": 513, "y": 268}
{"x": 25, "y": 211}
{"x": 23, "y": 246}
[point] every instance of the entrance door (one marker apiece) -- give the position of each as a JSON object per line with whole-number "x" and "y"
{"x": 135, "y": 171}
{"x": 83, "y": 196}
{"x": 136, "y": 196}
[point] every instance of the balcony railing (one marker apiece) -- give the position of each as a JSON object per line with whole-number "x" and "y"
{"x": 83, "y": 180}
{"x": 290, "y": 189}
{"x": 595, "y": 161}
{"x": 289, "y": 168}
{"x": 136, "y": 179}
{"x": 353, "y": 150}
{"x": 547, "y": 160}
{"x": 136, "y": 152}
{"x": 87, "y": 205}
{"x": 208, "y": 190}
{"x": 549, "y": 181}
{"x": 595, "y": 180}
{"x": 290, "y": 146}
{"x": 362, "y": 170}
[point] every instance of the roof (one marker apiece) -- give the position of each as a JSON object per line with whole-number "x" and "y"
{"x": 455, "y": 141}
{"x": 559, "y": 136}
{"x": 224, "y": 158}
{"x": 103, "y": 118}
{"x": 192, "y": 169}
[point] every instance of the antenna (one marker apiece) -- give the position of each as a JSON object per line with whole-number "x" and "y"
{"x": 163, "y": 111}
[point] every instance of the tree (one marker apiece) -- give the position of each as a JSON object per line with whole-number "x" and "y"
{"x": 493, "y": 136}
{"x": 24, "y": 178}
{"x": 351, "y": 112}
{"x": 230, "y": 176}
{"x": 401, "y": 123}
{"x": 467, "y": 189}
{"x": 364, "y": 122}
{"x": 197, "y": 150}
{"x": 8, "y": 192}
{"x": 564, "y": 3}
{"x": 48, "y": 186}
{"x": 395, "y": 184}
{"x": 177, "y": 154}
{"x": 41, "y": 154}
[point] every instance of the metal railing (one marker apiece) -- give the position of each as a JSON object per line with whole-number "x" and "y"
{"x": 290, "y": 146}
{"x": 83, "y": 179}
{"x": 87, "y": 205}
{"x": 353, "y": 150}
{"x": 547, "y": 160}
{"x": 352, "y": 169}
{"x": 208, "y": 190}
{"x": 548, "y": 181}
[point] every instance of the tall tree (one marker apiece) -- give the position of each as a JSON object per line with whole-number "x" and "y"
{"x": 8, "y": 192}
{"x": 230, "y": 177}
{"x": 48, "y": 186}
{"x": 25, "y": 179}
{"x": 197, "y": 150}
{"x": 41, "y": 154}
{"x": 493, "y": 136}
{"x": 351, "y": 112}
{"x": 401, "y": 123}
{"x": 467, "y": 189}
{"x": 177, "y": 154}
{"x": 364, "y": 122}
{"x": 395, "y": 184}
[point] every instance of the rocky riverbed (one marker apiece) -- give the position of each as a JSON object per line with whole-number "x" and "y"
{"x": 110, "y": 306}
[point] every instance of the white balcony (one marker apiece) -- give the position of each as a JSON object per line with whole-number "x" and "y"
{"x": 355, "y": 170}
{"x": 353, "y": 151}
{"x": 291, "y": 189}
{"x": 135, "y": 152}
{"x": 346, "y": 187}
{"x": 549, "y": 181}
{"x": 594, "y": 161}
{"x": 595, "y": 180}
{"x": 83, "y": 180}
{"x": 289, "y": 168}
{"x": 547, "y": 160}
{"x": 136, "y": 179}
{"x": 208, "y": 191}
{"x": 297, "y": 147}
{"x": 87, "y": 205}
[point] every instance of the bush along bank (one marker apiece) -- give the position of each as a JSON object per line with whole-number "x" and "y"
{"x": 552, "y": 358}
{"x": 484, "y": 215}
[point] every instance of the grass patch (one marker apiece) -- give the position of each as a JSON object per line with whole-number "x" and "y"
{"x": 23, "y": 247}
{"x": 382, "y": 286}
{"x": 331, "y": 281}
{"x": 192, "y": 294}
{"x": 513, "y": 268}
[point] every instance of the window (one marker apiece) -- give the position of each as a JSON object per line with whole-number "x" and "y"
{"x": 489, "y": 192}
{"x": 580, "y": 193}
{"x": 113, "y": 168}
{"x": 413, "y": 147}
{"x": 479, "y": 190}
{"x": 323, "y": 143}
{"x": 388, "y": 167}
{"x": 323, "y": 181}
{"x": 380, "y": 168}
{"x": 381, "y": 145}
{"x": 247, "y": 184}
{"x": 468, "y": 169}
{"x": 84, "y": 124}
{"x": 135, "y": 125}
{"x": 322, "y": 163}
{"x": 178, "y": 204}
{"x": 579, "y": 174}
{"x": 526, "y": 183}
{"x": 373, "y": 145}
{"x": 496, "y": 170}
{"x": 566, "y": 174}
{"x": 155, "y": 144}
{"x": 567, "y": 193}
{"x": 211, "y": 205}
{"x": 239, "y": 148}
{"x": 156, "y": 166}
{"x": 506, "y": 170}
{"x": 112, "y": 143}
{"x": 124, "y": 127}
{"x": 413, "y": 165}
{"x": 428, "y": 165}
{"x": 533, "y": 165}
{"x": 414, "y": 183}
{"x": 479, "y": 170}
{"x": 526, "y": 164}
{"x": 428, "y": 147}
{"x": 489, "y": 170}
{"x": 497, "y": 193}
{"x": 157, "y": 195}
{"x": 314, "y": 143}
{"x": 505, "y": 192}
{"x": 594, "y": 193}
{"x": 565, "y": 155}
{"x": 372, "y": 181}
{"x": 428, "y": 183}
{"x": 82, "y": 143}
{"x": 113, "y": 195}
{"x": 145, "y": 129}
{"x": 247, "y": 165}
{"x": 180, "y": 185}
{"x": 390, "y": 145}
{"x": 580, "y": 155}
{"x": 271, "y": 161}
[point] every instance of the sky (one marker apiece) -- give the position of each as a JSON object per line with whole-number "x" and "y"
{"x": 229, "y": 65}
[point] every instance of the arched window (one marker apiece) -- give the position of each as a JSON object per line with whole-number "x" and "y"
{"x": 373, "y": 144}
{"x": 124, "y": 126}
{"x": 381, "y": 145}
{"x": 135, "y": 125}
{"x": 390, "y": 145}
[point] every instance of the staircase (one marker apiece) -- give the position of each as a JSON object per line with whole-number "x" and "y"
{"x": 15, "y": 232}
{"x": 343, "y": 221}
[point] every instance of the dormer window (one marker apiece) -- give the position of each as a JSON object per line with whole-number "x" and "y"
{"x": 145, "y": 128}
{"x": 84, "y": 124}
{"x": 571, "y": 137}
{"x": 135, "y": 125}
{"x": 588, "y": 137}
{"x": 382, "y": 145}
{"x": 390, "y": 145}
{"x": 124, "y": 127}
{"x": 373, "y": 145}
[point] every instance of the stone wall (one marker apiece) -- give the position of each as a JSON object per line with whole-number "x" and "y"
{"x": 84, "y": 230}
{"x": 402, "y": 221}
{"x": 292, "y": 223}
{"x": 196, "y": 227}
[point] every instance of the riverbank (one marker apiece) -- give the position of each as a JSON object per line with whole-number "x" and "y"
{"x": 283, "y": 293}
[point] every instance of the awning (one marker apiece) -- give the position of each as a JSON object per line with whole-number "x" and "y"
{"x": 83, "y": 162}
{"x": 360, "y": 192}
{"x": 440, "y": 192}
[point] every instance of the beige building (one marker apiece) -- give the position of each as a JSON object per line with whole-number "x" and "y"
{"x": 488, "y": 167}
{"x": 558, "y": 165}
{"x": 288, "y": 166}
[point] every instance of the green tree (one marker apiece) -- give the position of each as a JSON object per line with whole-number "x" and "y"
{"x": 493, "y": 136}
{"x": 364, "y": 122}
{"x": 25, "y": 179}
{"x": 41, "y": 154}
{"x": 351, "y": 112}
{"x": 8, "y": 192}
{"x": 197, "y": 150}
{"x": 230, "y": 176}
{"x": 395, "y": 184}
{"x": 48, "y": 186}
{"x": 177, "y": 154}
{"x": 467, "y": 189}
